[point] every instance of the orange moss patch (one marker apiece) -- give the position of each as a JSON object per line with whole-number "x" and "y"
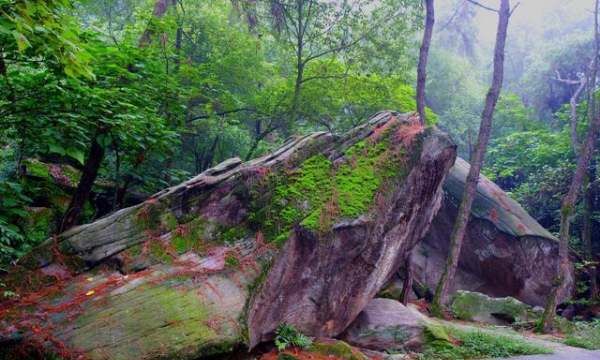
{"x": 405, "y": 135}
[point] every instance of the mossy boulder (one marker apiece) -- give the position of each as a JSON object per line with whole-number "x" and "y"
{"x": 473, "y": 306}
{"x": 305, "y": 235}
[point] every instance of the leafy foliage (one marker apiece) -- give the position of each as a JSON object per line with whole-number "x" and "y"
{"x": 31, "y": 29}
{"x": 288, "y": 336}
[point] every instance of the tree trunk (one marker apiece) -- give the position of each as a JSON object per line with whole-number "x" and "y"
{"x": 567, "y": 208}
{"x": 408, "y": 279}
{"x": 586, "y": 234}
{"x": 84, "y": 188}
{"x": 573, "y": 103}
{"x": 178, "y": 40}
{"x": 462, "y": 217}
{"x": 299, "y": 59}
{"x": 423, "y": 55}
{"x": 567, "y": 211}
{"x": 210, "y": 155}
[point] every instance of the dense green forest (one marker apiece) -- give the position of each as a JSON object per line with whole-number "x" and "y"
{"x": 104, "y": 103}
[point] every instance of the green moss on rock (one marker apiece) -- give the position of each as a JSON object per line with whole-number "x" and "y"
{"x": 337, "y": 348}
{"x": 320, "y": 193}
{"x": 179, "y": 325}
{"x": 475, "y": 306}
{"x": 190, "y": 236}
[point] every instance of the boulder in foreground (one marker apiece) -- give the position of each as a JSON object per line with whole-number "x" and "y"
{"x": 188, "y": 272}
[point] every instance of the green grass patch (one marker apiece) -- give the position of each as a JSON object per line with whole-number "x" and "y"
{"x": 584, "y": 335}
{"x": 474, "y": 344}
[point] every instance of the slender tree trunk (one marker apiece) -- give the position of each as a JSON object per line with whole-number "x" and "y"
{"x": 574, "y": 122}
{"x": 84, "y": 188}
{"x": 462, "y": 217}
{"x": 208, "y": 158}
{"x": 122, "y": 192}
{"x": 3, "y": 70}
{"x": 423, "y": 56}
{"x": 297, "y": 90}
{"x": 117, "y": 177}
{"x": 567, "y": 209}
{"x": 586, "y": 234}
{"x": 299, "y": 59}
{"x": 178, "y": 40}
{"x": 408, "y": 279}
{"x": 257, "y": 141}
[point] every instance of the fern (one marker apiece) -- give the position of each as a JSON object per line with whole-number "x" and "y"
{"x": 289, "y": 336}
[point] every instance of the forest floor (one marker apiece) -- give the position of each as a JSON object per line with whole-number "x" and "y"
{"x": 559, "y": 350}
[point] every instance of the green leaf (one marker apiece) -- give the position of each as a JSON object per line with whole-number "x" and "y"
{"x": 56, "y": 148}
{"x": 22, "y": 42}
{"x": 76, "y": 154}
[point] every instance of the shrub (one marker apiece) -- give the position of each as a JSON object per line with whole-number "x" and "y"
{"x": 289, "y": 336}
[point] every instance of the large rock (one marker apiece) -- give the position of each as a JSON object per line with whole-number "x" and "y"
{"x": 387, "y": 325}
{"x": 187, "y": 274}
{"x": 505, "y": 253}
{"x": 321, "y": 280}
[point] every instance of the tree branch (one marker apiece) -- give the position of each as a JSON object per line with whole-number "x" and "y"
{"x": 334, "y": 76}
{"x": 483, "y": 6}
{"x": 566, "y": 81}
{"x": 226, "y": 112}
{"x": 515, "y": 8}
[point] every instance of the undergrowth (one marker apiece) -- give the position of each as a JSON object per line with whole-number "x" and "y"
{"x": 466, "y": 344}
{"x": 289, "y": 336}
{"x": 585, "y": 335}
